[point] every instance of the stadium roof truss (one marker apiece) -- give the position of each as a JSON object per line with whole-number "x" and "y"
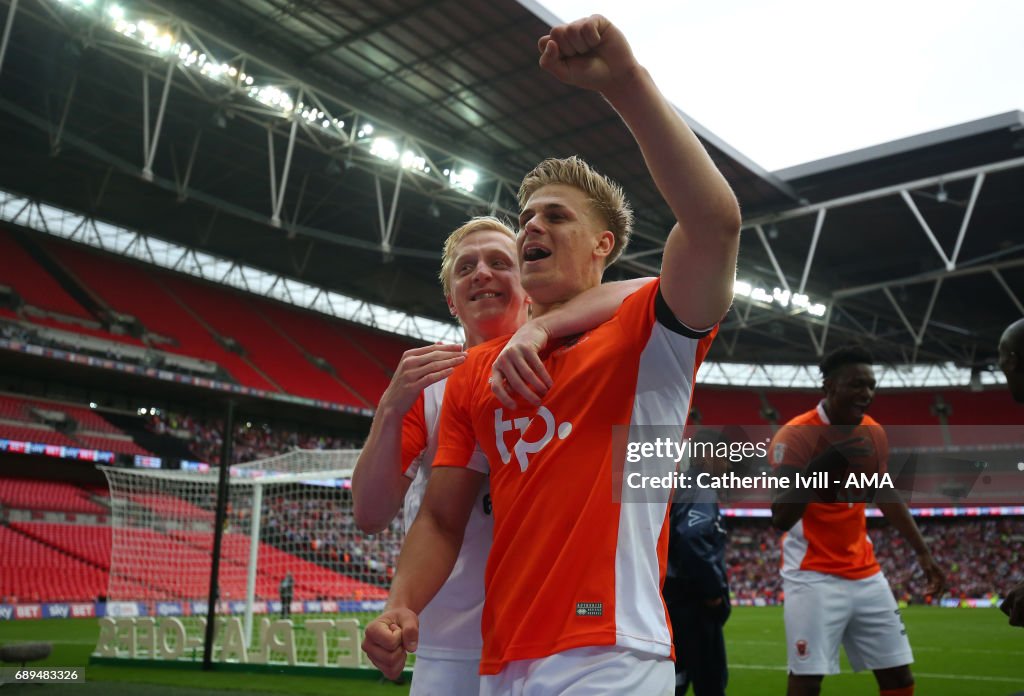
{"x": 240, "y": 84}
{"x": 128, "y": 243}
{"x": 319, "y": 153}
{"x": 102, "y": 235}
{"x": 952, "y": 267}
{"x": 292, "y": 112}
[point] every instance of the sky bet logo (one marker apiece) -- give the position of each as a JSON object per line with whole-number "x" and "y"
{"x": 523, "y": 448}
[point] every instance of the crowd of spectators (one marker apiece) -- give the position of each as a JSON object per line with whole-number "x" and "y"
{"x": 252, "y": 440}
{"x": 978, "y": 554}
{"x": 752, "y": 561}
{"x": 315, "y": 523}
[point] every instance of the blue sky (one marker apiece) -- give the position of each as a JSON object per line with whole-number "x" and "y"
{"x": 791, "y": 81}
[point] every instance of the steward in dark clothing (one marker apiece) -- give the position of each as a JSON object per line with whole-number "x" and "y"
{"x": 286, "y": 590}
{"x": 696, "y": 591}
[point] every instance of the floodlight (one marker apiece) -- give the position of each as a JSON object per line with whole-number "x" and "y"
{"x": 465, "y": 179}
{"x": 385, "y": 149}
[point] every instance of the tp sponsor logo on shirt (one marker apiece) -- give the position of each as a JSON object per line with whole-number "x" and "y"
{"x": 523, "y": 447}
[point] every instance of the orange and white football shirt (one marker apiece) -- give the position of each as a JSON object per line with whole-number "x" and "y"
{"x": 830, "y": 538}
{"x": 450, "y": 623}
{"x": 569, "y": 566}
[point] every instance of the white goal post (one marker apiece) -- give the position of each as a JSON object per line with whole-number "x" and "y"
{"x": 291, "y": 557}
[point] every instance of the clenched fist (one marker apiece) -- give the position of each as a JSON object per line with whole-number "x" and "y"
{"x": 390, "y": 638}
{"x": 590, "y": 53}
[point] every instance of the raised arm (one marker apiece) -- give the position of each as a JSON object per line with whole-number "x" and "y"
{"x": 428, "y": 556}
{"x": 699, "y": 264}
{"x": 378, "y": 483}
{"x": 518, "y": 370}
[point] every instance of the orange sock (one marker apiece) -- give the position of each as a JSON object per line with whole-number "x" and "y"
{"x": 905, "y": 691}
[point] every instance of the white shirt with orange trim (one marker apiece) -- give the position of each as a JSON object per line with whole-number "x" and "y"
{"x": 570, "y": 566}
{"x": 450, "y": 623}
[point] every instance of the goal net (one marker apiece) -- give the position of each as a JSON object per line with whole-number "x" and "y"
{"x": 296, "y": 580}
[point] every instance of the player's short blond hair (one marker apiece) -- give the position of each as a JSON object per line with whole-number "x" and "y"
{"x": 477, "y": 224}
{"x": 607, "y": 197}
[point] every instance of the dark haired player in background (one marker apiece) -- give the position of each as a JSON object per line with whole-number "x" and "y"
{"x": 835, "y": 591}
{"x": 1011, "y": 362}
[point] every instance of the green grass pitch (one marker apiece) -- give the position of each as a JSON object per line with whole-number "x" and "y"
{"x": 958, "y": 652}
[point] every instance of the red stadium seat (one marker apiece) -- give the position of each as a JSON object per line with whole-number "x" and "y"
{"x": 334, "y": 345}
{"x": 280, "y": 359}
{"x": 132, "y": 288}
{"x": 35, "y": 433}
{"x": 30, "y": 280}
{"x": 727, "y": 406}
{"x": 25, "y": 494}
{"x": 32, "y": 571}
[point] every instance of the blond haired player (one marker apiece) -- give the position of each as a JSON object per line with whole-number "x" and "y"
{"x": 574, "y": 577}
{"x": 480, "y": 278}
{"x": 835, "y": 591}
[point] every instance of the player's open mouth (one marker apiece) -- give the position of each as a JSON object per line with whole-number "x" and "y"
{"x": 486, "y": 295}
{"x": 535, "y": 252}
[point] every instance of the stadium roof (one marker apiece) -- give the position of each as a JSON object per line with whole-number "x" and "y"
{"x": 445, "y": 100}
